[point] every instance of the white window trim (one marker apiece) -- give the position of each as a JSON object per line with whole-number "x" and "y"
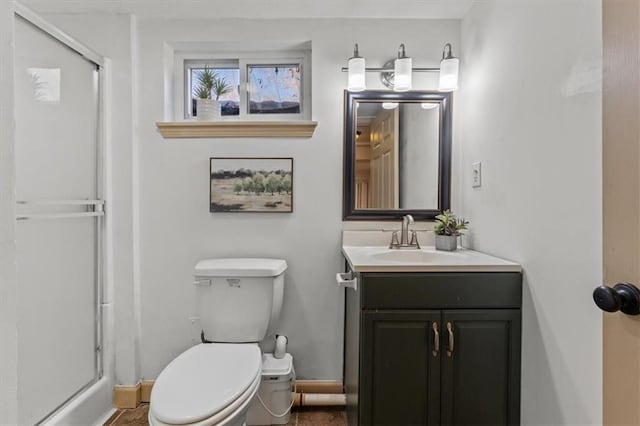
{"x": 183, "y": 59}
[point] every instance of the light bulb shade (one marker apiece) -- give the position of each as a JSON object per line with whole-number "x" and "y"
{"x": 449, "y": 74}
{"x": 389, "y": 105}
{"x": 402, "y": 74}
{"x": 356, "y": 74}
{"x": 430, "y": 105}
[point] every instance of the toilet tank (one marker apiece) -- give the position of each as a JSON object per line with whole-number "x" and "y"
{"x": 238, "y": 300}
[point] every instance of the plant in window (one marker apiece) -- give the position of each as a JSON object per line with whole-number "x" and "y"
{"x": 206, "y": 80}
{"x": 208, "y": 83}
{"x": 220, "y": 86}
{"x": 201, "y": 93}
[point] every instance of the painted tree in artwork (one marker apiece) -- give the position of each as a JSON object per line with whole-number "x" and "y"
{"x": 273, "y": 183}
{"x": 237, "y": 188}
{"x": 247, "y": 185}
{"x": 258, "y": 183}
{"x": 286, "y": 183}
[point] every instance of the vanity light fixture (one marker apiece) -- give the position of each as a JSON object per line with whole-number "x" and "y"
{"x": 449, "y": 67}
{"x": 356, "y": 71}
{"x": 389, "y": 105}
{"x": 402, "y": 71}
{"x": 396, "y": 74}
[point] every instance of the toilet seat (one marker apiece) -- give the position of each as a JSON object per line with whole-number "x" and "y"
{"x": 220, "y": 418}
{"x": 206, "y": 384}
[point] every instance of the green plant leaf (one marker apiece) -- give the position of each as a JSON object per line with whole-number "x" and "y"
{"x": 448, "y": 224}
{"x": 206, "y": 78}
{"x": 201, "y": 92}
{"x": 220, "y": 87}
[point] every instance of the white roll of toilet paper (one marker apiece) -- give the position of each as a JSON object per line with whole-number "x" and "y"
{"x": 281, "y": 347}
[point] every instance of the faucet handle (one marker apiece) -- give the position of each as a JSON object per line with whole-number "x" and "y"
{"x": 394, "y": 240}
{"x": 414, "y": 240}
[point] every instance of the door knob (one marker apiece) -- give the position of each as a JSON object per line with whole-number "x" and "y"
{"x": 623, "y": 297}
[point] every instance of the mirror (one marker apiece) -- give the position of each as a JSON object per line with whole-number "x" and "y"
{"x": 397, "y": 154}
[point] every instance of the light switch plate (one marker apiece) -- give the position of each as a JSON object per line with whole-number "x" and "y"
{"x": 476, "y": 175}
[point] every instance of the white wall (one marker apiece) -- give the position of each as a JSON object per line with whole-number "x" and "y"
{"x": 529, "y": 108}
{"x": 8, "y": 282}
{"x": 176, "y": 228}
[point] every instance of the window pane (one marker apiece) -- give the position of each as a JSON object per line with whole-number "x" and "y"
{"x": 230, "y": 100}
{"x": 274, "y": 89}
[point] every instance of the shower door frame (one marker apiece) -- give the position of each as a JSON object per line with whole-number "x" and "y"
{"x": 95, "y": 208}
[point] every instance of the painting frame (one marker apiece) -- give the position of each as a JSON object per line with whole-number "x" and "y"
{"x": 251, "y": 184}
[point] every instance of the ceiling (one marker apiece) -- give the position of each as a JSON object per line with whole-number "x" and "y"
{"x": 265, "y": 9}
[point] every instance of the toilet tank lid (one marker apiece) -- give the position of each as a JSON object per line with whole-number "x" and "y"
{"x": 240, "y": 267}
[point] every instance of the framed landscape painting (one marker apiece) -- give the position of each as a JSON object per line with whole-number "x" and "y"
{"x": 251, "y": 185}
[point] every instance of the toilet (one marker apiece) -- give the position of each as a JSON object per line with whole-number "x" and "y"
{"x": 214, "y": 383}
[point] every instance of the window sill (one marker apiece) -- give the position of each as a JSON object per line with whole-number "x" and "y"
{"x": 236, "y": 129}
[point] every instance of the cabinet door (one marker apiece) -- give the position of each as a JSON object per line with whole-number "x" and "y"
{"x": 400, "y": 370}
{"x": 481, "y": 367}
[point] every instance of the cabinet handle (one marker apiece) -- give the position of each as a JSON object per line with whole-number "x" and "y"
{"x": 451, "y": 339}
{"x": 436, "y": 340}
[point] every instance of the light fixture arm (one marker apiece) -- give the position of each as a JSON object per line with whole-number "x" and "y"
{"x": 446, "y": 52}
{"x": 401, "y": 53}
{"x": 390, "y": 69}
{"x": 356, "y": 54}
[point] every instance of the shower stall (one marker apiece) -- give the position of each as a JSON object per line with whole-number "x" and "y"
{"x": 59, "y": 161}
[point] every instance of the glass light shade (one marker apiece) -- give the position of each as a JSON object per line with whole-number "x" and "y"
{"x": 429, "y": 105}
{"x": 449, "y": 75}
{"x": 389, "y": 105}
{"x": 402, "y": 74}
{"x": 356, "y": 74}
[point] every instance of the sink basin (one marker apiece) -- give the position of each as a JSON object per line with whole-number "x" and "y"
{"x": 379, "y": 258}
{"x": 411, "y": 256}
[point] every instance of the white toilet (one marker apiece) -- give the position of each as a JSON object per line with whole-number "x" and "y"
{"x": 214, "y": 383}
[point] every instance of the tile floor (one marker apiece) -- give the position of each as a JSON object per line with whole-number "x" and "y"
{"x": 306, "y": 416}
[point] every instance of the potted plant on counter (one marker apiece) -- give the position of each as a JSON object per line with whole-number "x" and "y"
{"x": 209, "y": 83}
{"x": 447, "y": 229}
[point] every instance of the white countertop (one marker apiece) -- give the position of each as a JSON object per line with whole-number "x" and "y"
{"x": 428, "y": 259}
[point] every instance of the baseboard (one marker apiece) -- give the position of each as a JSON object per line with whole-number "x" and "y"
{"x": 127, "y": 396}
{"x": 132, "y": 396}
{"x": 145, "y": 390}
{"x": 319, "y": 386}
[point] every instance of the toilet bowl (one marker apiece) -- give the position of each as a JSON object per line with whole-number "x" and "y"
{"x": 209, "y": 384}
{"x": 215, "y": 383}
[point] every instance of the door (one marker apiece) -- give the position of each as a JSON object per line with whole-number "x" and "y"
{"x": 59, "y": 221}
{"x": 481, "y": 367}
{"x": 621, "y": 191}
{"x": 363, "y": 166}
{"x": 384, "y": 160}
{"x": 400, "y": 373}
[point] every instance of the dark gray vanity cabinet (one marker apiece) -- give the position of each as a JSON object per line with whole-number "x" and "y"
{"x": 433, "y": 349}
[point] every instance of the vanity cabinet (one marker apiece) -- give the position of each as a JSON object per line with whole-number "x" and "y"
{"x": 433, "y": 349}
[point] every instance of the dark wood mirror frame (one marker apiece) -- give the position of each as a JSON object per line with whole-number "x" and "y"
{"x": 444, "y": 154}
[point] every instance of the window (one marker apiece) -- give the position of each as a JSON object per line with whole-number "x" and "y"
{"x": 274, "y": 89}
{"x": 230, "y": 79}
{"x": 263, "y": 86}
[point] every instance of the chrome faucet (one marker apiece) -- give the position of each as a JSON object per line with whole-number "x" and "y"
{"x": 404, "y": 242}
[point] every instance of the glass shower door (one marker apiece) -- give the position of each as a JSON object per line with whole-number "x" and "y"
{"x": 59, "y": 222}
